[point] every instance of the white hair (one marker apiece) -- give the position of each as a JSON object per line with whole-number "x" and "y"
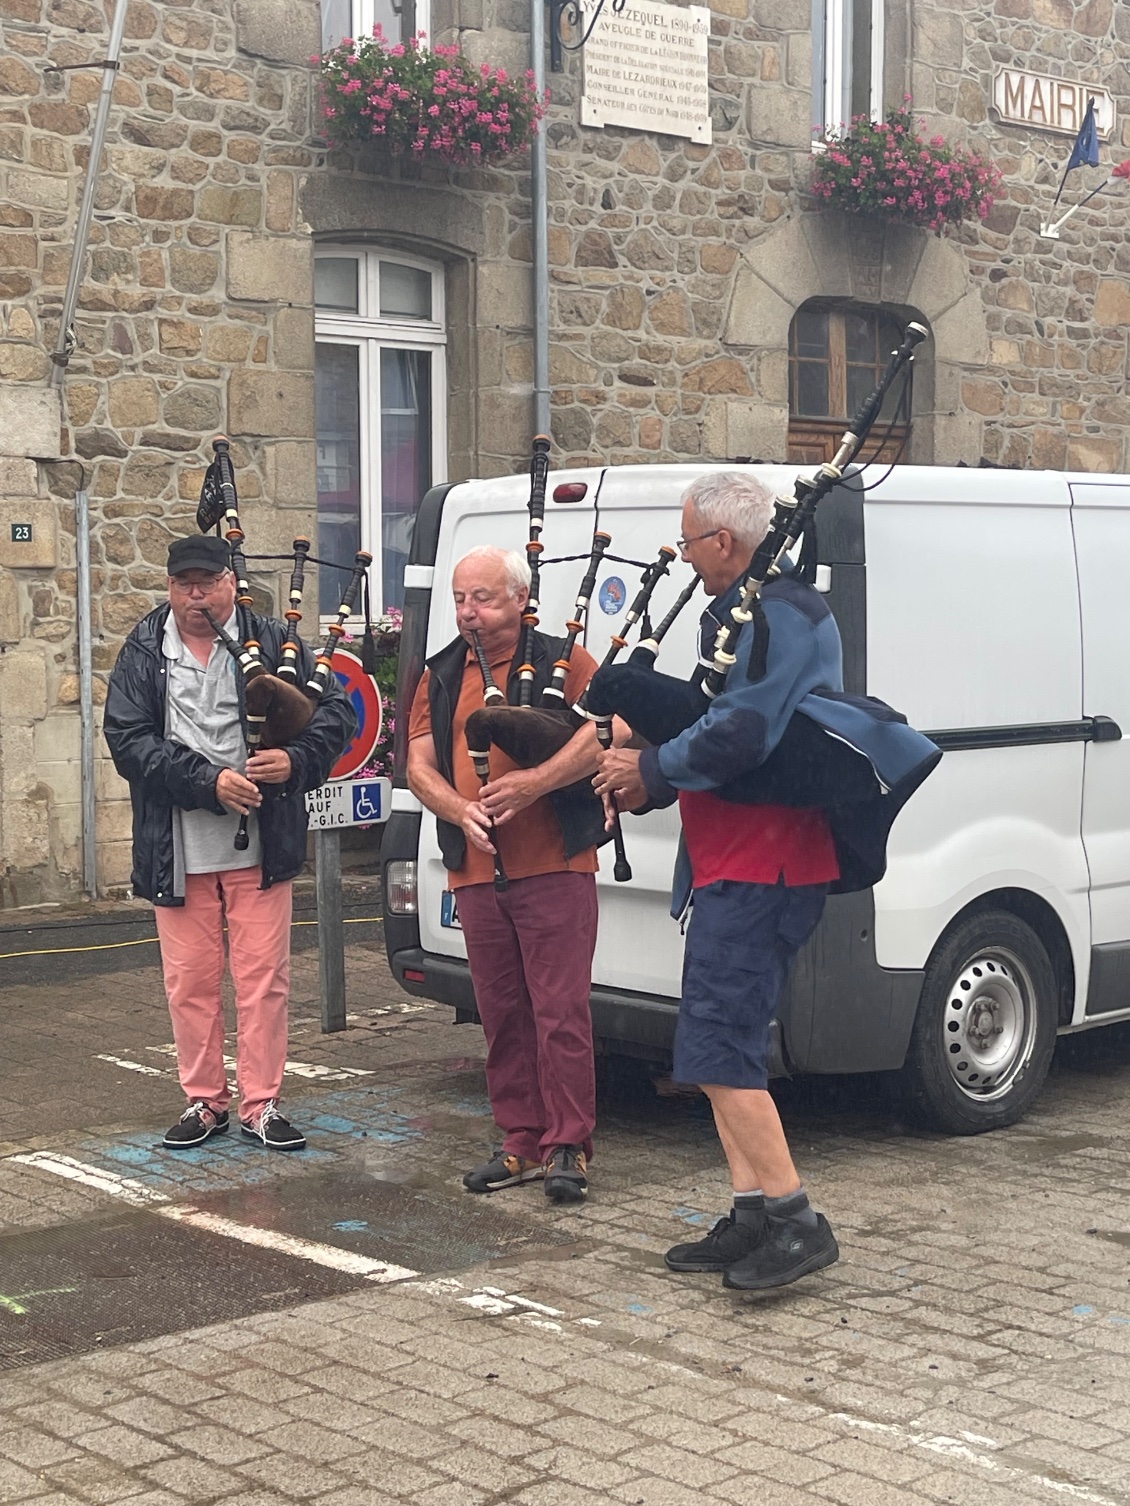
{"x": 735, "y": 501}
{"x": 517, "y": 570}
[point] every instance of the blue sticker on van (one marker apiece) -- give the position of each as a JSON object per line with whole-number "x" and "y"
{"x": 612, "y": 595}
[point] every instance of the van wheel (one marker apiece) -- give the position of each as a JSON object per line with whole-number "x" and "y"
{"x": 986, "y": 1026}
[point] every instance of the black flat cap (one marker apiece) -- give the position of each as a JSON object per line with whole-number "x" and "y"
{"x": 203, "y": 551}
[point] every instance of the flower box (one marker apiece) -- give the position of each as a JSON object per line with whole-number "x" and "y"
{"x": 425, "y": 103}
{"x": 887, "y": 169}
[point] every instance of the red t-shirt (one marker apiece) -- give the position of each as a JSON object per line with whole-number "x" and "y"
{"x": 756, "y": 844}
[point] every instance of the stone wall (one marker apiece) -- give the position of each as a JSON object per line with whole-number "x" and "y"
{"x": 673, "y": 265}
{"x": 194, "y": 316}
{"x": 675, "y": 272}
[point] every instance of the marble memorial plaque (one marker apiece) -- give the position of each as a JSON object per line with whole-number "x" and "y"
{"x": 646, "y": 68}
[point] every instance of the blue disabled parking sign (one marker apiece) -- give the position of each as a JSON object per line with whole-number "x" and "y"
{"x": 349, "y": 802}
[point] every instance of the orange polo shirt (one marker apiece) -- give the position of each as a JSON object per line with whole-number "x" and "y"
{"x": 530, "y": 842}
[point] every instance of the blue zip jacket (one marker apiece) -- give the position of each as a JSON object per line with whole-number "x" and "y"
{"x": 744, "y": 725}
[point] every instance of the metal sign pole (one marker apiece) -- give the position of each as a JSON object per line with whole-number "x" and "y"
{"x": 331, "y": 930}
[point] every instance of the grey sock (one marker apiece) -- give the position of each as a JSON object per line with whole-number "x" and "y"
{"x": 748, "y": 1207}
{"x": 794, "y": 1206}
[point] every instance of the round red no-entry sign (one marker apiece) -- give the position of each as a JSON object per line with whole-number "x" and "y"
{"x": 366, "y": 701}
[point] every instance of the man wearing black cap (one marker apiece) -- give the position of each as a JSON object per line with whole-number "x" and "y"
{"x": 176, "y": 728}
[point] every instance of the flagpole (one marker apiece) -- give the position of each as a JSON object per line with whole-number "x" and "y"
{"x": 1084, "y": 151}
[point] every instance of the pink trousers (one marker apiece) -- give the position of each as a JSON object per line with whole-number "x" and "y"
{"x": 192, "y": 958}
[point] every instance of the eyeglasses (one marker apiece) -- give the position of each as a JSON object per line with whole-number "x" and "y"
{"x": 684, "y": 544}
{"x": 205, "y": 586}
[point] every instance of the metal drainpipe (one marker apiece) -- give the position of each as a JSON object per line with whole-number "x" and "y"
{"x": 61, "y": 354}
{"x": 86, "y": 690}
{"x": 540, "y": 209}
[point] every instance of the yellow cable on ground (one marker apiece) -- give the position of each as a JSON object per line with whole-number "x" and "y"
{"x": 110, "y": 946}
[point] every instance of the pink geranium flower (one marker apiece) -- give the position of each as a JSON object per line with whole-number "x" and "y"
{"x": 887, "y": 168}
{"x": 426, "y": 102}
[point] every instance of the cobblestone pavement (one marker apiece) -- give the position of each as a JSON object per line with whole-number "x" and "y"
{"x": 972, "y": 1346}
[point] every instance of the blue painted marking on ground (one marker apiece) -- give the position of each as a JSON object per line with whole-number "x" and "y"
{"x": 230, "y": 1161}
{"x": 639, "y": 1309}
{"x": 690, "y": 1216}
{"x": 1082, "y": 1310}
{"x": 352, "y": 1225}
{"x": 1122, "y": 1322}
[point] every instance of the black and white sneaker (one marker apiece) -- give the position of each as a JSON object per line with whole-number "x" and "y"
{"x": 728, "y": 1242}
{"x": 502, "y": 1170}
{"x": 565, "y": 1179}
{"x": 789, "y": 1251}
{"x": 197, "y": 1124}
{"x": 275, "y": 1132}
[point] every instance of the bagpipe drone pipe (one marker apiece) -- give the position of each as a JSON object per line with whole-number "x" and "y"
{"x": 277, "y": 707}
{"x": 529, "y": 734}
{"x": 852, "y": 756}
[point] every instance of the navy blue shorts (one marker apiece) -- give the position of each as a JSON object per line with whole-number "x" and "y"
{"x": 740, "y": 942}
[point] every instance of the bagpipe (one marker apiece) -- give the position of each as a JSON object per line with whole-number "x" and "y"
{"x": 529, "y": 734}
{"x": 816, "y": 762}
{"x": 277, "y": 707}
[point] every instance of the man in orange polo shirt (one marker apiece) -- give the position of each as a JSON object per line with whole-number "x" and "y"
{"x": 530, "y": 947}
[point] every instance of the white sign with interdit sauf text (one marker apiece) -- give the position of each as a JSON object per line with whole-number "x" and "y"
{"x": 646, "y": 68}
{"x": 349, "y": 802}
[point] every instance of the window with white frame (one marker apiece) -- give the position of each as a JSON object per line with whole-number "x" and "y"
{"x": 398, "y": 19}
{"x": 847, "y": 62}
{"x": 381, "y": 387}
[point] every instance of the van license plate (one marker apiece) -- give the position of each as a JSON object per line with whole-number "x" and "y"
{"x": 449, "y": 911}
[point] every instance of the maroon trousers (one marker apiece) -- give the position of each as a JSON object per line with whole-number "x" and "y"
{"x": 530, "y": 951}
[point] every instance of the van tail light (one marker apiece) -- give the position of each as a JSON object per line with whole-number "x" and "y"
{"x": 570, "y": 491}
{"x": 414, "y": 975}
{"x": 400, "y": 888}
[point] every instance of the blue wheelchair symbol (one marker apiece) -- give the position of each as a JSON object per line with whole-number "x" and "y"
{"x": 364, "y": 808}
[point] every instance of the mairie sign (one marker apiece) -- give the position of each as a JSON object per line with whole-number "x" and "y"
{"x": 1050, "y": 104}
{"x": 349, "y": 802}
{"x": 365, "y": 698}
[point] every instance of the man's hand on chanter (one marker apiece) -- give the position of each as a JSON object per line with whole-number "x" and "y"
{"x": 510, "y": 793}
{"x": 269, "y": 766}
{"x": 476, "y": 827}
{"x": 237, "y": 793}
{"x": 618, "y": 777}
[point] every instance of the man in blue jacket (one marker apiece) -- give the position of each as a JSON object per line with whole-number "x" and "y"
{"x": 758, "y": 875}
{"x": 177, "y": 731}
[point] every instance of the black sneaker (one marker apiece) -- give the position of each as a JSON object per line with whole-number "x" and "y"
{"x": 565, "y": 1180}
{"x": 789, "y": 1251}
{"x": 197, "y": 1124}
{"x": 726, "y": 1244}
{"x": 502, "y": 1170}
{"x": 273, "y": 1130}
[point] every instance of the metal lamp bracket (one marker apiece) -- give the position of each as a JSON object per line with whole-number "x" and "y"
{"x": 571, "y": 13}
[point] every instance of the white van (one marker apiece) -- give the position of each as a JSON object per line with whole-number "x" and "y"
{"x": 991, "y": 607}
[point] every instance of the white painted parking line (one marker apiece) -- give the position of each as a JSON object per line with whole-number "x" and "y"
{"x": 138, "y": 1195}
{"x": 330, "y": 1256}
{"x": 121, "y": 1061}
{"x": 315, "y": 1070}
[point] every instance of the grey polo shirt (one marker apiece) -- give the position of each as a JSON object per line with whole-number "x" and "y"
{"x": 202, "y": 712}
